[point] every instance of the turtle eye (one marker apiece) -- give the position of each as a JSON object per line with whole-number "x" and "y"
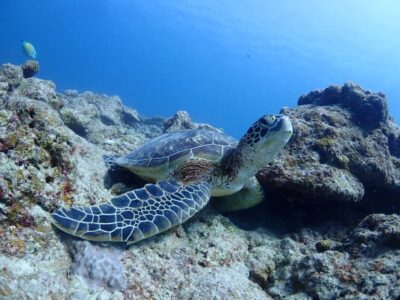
{"x": 270, "y": 120}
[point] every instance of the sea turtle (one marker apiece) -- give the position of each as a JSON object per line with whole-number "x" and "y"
{"x": 187, "y": 168}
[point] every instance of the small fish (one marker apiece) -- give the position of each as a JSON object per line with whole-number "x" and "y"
{"x": 29, "y": 50}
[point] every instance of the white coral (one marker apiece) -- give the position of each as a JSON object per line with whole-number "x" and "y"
{"x": 99, "y": 266}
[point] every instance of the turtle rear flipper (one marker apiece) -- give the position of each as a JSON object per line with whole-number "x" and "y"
{"x": 109, "y": 161}
{"x": 137, "y": 214}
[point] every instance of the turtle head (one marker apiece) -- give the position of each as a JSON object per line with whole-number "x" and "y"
{"x": 268, "y": 133}
{"x": 262, "y": 143}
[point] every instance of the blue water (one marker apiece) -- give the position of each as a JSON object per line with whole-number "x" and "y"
{"x": 226, "y": 62}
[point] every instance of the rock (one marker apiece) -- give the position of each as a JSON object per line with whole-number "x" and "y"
{"x": 71, "y": 93}
{"x": 51, "y": 147}
{"x": 99, "y": 119}
{"x": 3, "y": 88}
{"x": 368, "y": 109}
{"x": 378, "y": 229}
{"x": 364, "y": 266}
{"x": 337, "y": 154}
{"x": 316, "y": 274}
{"x": 30, "y": 68}
{"x": 179, "y": 121}
{"x": 221, "y": 283}
{"x": 12, "y": 75}
{"x": 393, "y": 133}
{"x": 182, "y": 121}
{"x": 42, "y": 90}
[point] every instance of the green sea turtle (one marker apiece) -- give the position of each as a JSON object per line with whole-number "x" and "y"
{"x": 188, "y": 167}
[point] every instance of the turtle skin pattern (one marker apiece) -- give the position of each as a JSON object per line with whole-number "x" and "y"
{"x": 137, "y": 214}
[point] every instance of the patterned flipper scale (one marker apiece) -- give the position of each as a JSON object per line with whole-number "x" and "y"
{"x": 137, "y": 214}
{"x": 109, "y": 161}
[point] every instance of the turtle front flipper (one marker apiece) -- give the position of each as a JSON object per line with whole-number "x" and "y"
{"x": 251, "y": 195}
{"x": 137, "y": 214}
{"x": 109, "y": 162}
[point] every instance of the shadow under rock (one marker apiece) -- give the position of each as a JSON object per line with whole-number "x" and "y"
{"x": 123, "y": 177}
{"x": 282, "y": 217}
{"x": 68, "y": 240}
{"x": 275, "y": 214}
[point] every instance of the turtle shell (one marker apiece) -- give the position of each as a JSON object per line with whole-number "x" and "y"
{"x": 158, "y": 157}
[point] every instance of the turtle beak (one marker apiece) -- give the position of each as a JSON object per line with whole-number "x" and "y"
{"x": 287, "y": 125}
{"x": 284, "y": 126}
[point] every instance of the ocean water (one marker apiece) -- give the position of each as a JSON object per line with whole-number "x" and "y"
{"x": 225, "y": 62}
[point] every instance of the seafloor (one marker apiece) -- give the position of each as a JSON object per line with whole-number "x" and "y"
{"x": 329, "y": 228}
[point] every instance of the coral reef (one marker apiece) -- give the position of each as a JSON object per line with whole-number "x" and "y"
{"x": 344, "y": 155}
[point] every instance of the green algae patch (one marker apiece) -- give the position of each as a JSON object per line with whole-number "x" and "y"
{"x": 325, "y": 142}
{"x": 344, "y": 162}
{"x": 323, "y": 245}
{"x": 5, "y": 117}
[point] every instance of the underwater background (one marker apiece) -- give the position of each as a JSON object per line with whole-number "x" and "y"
{"x": 329, "y": 226}
{"x": 225, "y": 62}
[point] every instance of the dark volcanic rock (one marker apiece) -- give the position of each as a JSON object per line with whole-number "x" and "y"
{"x": 344, "y": 149}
